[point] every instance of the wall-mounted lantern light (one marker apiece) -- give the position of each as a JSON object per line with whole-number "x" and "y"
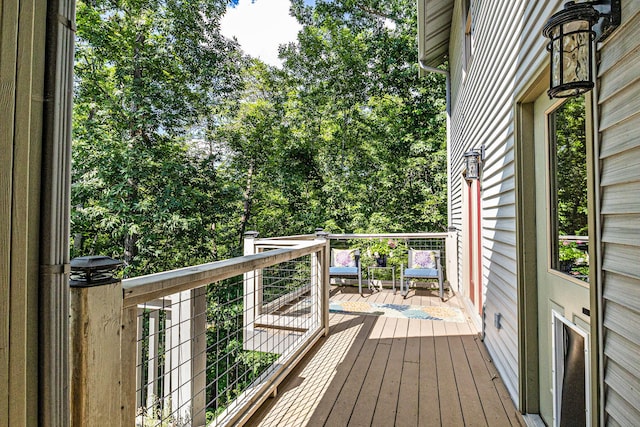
{"x": 572, "y": 32}
{"x": 473, "y": 159}
{"x": 93, "y": 270}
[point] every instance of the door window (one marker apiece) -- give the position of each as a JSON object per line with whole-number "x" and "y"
{"x": 568, "y": 189}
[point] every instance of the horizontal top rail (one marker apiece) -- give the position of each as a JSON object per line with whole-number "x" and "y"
{"x": 275, "y": 243}
{"x": 139, "y": 290}
{"x": 294, "y": 237}
{"x": 388, "y": 235}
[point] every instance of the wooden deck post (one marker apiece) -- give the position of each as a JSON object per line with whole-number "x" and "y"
{"x": 95, "y": 327}
{"x": 323, "y": 273}
{"x": 316, "y": 289}
{"x": 128, "y": 368}
{"x": 251, "y": 305}
{"x": 451, "y": 263}
{"x": 188, "y": 356}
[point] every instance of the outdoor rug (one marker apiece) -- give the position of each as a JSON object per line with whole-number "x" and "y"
{"x": 447, "y": 314}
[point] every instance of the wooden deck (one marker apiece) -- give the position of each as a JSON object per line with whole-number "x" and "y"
{"x": 383, "y": 371}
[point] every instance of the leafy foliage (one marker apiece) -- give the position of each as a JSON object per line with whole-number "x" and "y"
{"x": 570, "y": 187}
{"x": 571, "y": 165}
{"x": 181, "y": 143}
{"x": 148, "y": 74}
{"x": 379, "y": 129}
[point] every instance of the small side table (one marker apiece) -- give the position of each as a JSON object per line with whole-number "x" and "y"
{"x": 370, "y": 275}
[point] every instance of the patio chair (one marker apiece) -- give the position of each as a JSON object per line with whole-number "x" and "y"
{"x": 423, "y": 265}
{"x": 346, "y": 263}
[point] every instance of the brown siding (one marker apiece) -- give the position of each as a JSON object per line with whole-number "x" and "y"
{"x": 21, "y": 94}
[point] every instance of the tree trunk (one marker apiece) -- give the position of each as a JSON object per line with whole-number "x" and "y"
{"x": 130, "y": 249}
{"x": 248, "y": 199}
{"x": 214, "y": 237}
{"x": 136, "y": 131}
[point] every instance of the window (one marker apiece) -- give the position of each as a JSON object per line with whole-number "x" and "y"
{"x": 468, "y": 36}
{"x": 568, "y": 189}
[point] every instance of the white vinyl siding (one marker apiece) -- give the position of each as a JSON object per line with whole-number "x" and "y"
{"x": 619, "y": 125}
{"x": 509, "y": 53}
{"x": 483, "y": 113}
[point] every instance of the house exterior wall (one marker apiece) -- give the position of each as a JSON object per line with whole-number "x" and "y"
{"x": 508, "y": 56}
{"x": 22, "y": 40}
{"x": 36, "y": 37}
{"x": 482, "y": 112}
{"x": 619, "y": 133}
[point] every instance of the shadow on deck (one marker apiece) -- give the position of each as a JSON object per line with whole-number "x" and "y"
{"x": 385, "y": 370}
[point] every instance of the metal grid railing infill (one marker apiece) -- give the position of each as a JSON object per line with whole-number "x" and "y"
{"x": 204, "y": 354}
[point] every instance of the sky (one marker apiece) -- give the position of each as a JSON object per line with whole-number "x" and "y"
{"x": 260, "y": 27}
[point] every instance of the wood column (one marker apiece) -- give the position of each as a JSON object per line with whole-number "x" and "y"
{"x": 95, "y": 328}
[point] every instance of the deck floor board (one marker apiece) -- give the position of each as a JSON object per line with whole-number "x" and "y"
{"x": 367, "y": 399}
{"x": 428, "y": 394}
{"x": 387, "y": 402}
{"x": 469, "y": 397}
{"x": 374, "y": 370}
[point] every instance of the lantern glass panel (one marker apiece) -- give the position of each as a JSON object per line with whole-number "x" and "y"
{"x": 556, "y": 64}
{"x": 472, "y": 161}
{"x": 575, "y": 51}
{"x": 472, "y": 172}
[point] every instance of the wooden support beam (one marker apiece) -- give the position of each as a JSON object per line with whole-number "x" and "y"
{"x": 95, "y": 328}
{"x": 251, "y": 306}
{"x": 152, "y": 370}
{"x": 139, "y": 352}
{"x": 199, "y": 356}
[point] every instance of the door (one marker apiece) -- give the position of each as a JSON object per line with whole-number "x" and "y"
{"x": 561, "y": 143}
{"x": 472, "y": 242}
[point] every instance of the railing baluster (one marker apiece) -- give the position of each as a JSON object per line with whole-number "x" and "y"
{"x": 128, "y": 343}
{"x": 152, "y": 370}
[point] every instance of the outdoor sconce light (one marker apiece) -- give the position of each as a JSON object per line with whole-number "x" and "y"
{"x": 93, "y": 271}
{"x": 571, "y": 33}
{"x": 473, "y": 159}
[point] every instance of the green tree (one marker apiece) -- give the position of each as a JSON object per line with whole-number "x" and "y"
{"x": 571, "y": 167}
{"x": 148, "y": 73}
{"x": 272, "y": 166}
{"x": 378, "y": 128}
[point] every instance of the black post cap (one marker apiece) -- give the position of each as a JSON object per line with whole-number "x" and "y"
{"x": 94, "y": 270}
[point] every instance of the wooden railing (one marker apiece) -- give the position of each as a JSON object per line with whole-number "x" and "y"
{"x": 117, "y": 328}
{"x": 142, "y": 348}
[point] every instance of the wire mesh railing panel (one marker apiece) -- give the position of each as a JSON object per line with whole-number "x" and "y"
{"x": 203, "y": 353}
{"x": 288, "y": 278}
{"x": 227, "y": 371}
{"x": 170, "y": 372}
